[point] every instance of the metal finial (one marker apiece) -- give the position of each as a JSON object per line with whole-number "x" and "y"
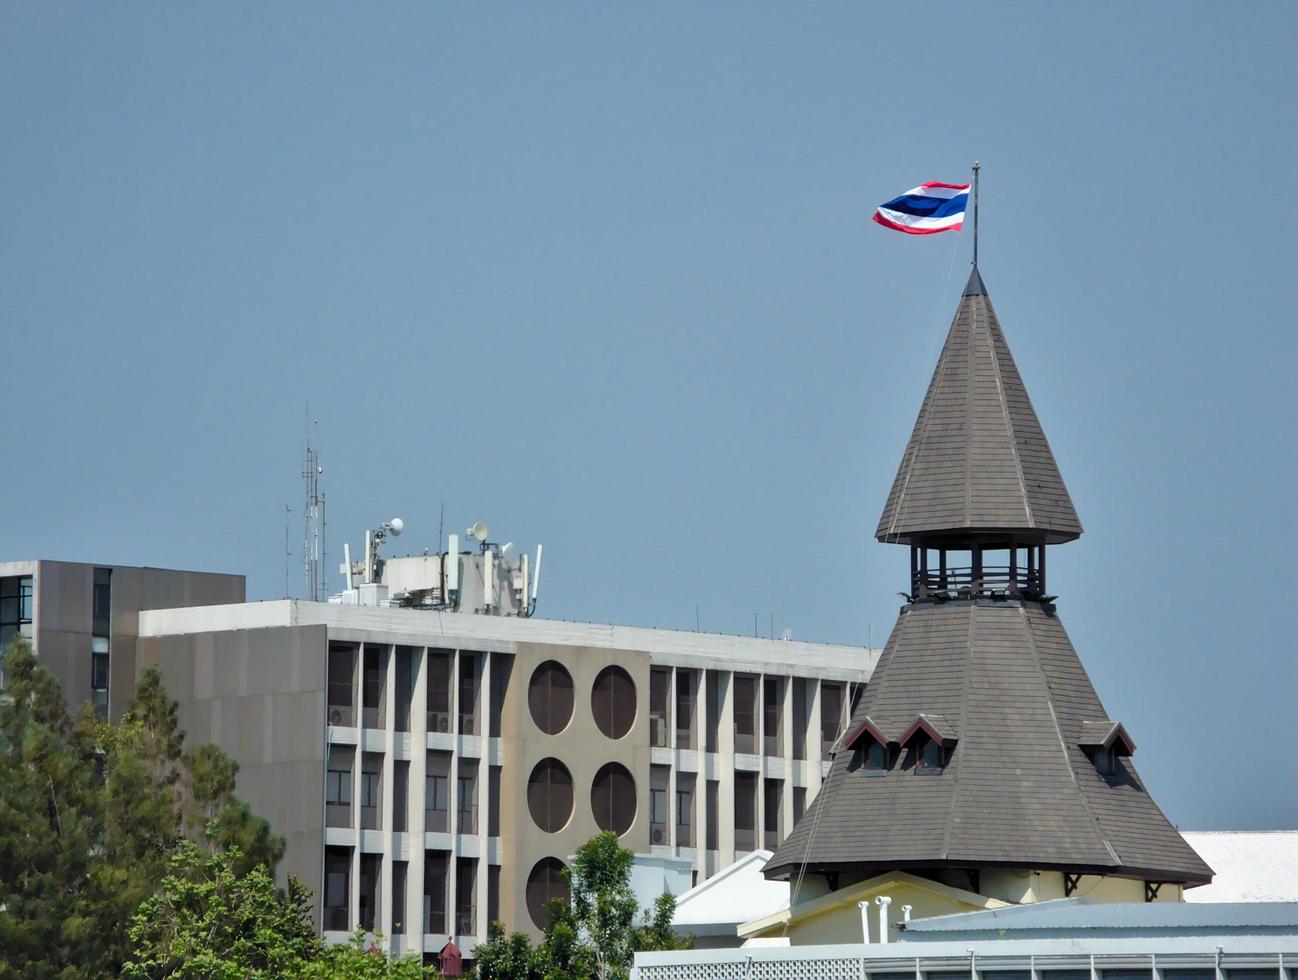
{"x": 976, "y": 167}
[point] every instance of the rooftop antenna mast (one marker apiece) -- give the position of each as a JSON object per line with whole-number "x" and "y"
{"x": 288, "y": 553}
{"x": 313, "y": 553}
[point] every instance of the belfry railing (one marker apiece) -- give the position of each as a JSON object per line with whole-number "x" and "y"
{"x": 989, "y": 581}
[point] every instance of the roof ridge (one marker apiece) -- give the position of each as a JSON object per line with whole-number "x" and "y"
{"x": 964, "y": 702}
{"x": 1009, "y": 417}
{"x": 1063, "y": 742}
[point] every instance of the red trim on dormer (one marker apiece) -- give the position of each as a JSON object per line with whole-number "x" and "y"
{"x": 923, "y": 724}
{"x": 867, "y": 727}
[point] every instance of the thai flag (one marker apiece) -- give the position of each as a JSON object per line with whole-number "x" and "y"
{"x": 926, "y": 209}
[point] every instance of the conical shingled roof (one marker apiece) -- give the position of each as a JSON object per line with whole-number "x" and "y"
{"x": 1018, "y": 789}
{"x": 977, "y": 458}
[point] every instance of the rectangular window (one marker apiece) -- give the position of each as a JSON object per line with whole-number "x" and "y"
{"x": 371, "y": 790}
{"x": 439, "y": 691}
{"x": 400, "y": 795}
{"x": 502, "y": 666}
{"x": 799, "y": 802}
{"x": 373, "y": 694}
{"x": 493, "y": 801}
{"x": 685, "y": 809}
{"x": 658, "y": 805}
{"x": 745, "y": 811}
{"x": 466, "y": 881}
{"x": 338, "y": 869}
{"x": 801, "y": 702}
{"x": 369, "y": 896}
{"x": 714, "y": 810}
{"x": 714, "y": 709}
{"x": 831, "y": 715}
{"x": 493, "y": 893}
{"x": 467, "y": 797}
{"x": 342, "y": 674}
{"x": 338, "y": 787}
{"x": 745, "y": 714}
{"x": 399, "y": 873}
{"x": 102, "y": 602}
{"x": 437, "y": 782}
{"x": 684, "y": 709}
{"x": 772, "y": 796}
{"x": 406, "y": 663}
{"x": 771, "y": 716}
{"x": 468, "y": 693}
{"x": 16, "y": 593}
{"x": 659, "y": 677}
{"x": 436, "y": 864}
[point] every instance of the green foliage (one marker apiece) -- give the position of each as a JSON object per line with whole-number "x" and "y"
{"x": 90, "y": 816}
{"x": 594, "y": 934}
{"x": 207, "y": 920}
{"x": 360, "y": 959}
{"x": 53, "y": 886}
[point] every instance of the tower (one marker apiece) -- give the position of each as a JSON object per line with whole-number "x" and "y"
{"x": 980, "y": 756}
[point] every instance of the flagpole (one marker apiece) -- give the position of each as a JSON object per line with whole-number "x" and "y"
{"x": 975, "y": 221}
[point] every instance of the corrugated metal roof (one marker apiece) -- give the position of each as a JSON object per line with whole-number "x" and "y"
{"x": 1081, "y": 914}
{"x": 977, "y": 458}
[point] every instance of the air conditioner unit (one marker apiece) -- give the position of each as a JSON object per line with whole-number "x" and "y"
{"x": 659, "y": 835}
{"x": 336, "y": 716}
{"x": 441, "y": 722}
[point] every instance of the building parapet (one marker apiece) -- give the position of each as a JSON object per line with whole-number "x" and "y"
{"x": 468, "y": 631}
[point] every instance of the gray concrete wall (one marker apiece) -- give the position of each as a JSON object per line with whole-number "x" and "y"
{"x": 260, "y": 696}
{"x": 63, "y": 607}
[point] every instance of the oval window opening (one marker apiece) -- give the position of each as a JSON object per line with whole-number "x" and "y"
{"x": 612, "y": 700}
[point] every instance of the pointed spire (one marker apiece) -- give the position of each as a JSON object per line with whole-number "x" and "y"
{"x": 978, "y": 461}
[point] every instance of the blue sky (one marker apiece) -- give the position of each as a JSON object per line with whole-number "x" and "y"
{"x": 603, "y": 276}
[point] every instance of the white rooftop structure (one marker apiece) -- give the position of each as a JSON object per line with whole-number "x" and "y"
{"x": 1248, "y": 865}
{"x": 734, "y": 895}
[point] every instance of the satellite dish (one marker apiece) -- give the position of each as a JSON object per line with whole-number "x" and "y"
{"x": 397, "y": 525}
{"x": 478, "y": 532}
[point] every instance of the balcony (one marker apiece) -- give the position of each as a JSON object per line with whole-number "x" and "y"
{"x": 338, "y": 815}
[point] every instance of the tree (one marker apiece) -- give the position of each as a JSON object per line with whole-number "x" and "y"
{"x": 52, "y": 886}
{"x": 90, "y": 815}
{"x": 511, "y": 957}
{"x": 361, "y": 959}
{"x": 208, "y": 920}
{"x": 594, "y": 934}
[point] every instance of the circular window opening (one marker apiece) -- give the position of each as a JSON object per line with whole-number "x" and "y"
{"x": 549, "y": 795}
{"x": 613, "y": 701}
{"x": 544, "y": 884}
{"x": 612, "y": 797}
{"x": 549, "y": 696}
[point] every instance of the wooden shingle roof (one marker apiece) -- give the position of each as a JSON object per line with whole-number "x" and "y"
{"x": 1018, "y": 790}
{"x": 977, "y": 459}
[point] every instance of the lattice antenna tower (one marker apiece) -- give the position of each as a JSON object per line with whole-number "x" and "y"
{"x": 313, "y": 521}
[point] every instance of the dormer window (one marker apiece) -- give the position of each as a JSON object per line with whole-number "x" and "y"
{"x": 932, "y": 739}
{"x": 876, "y": 754}
{"x": 928, "y": 753}
{"x": 1103, "y": 742}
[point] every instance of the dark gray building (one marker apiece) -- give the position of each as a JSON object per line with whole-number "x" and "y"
{"x": 82, "y": 620}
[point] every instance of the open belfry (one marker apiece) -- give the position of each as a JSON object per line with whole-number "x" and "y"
{"x": 979, "y": 767}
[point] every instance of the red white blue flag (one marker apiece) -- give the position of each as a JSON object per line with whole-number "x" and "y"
{"x": 926, "y": 210}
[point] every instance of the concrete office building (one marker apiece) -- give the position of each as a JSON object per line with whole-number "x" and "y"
{"x": 433, "y": 770}
{"x": 81, "y": 620}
